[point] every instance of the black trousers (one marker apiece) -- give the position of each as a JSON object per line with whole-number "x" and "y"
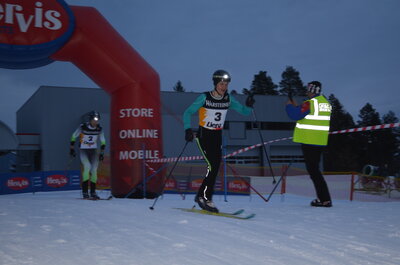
{"x": 312, "y": 156}
{"x": 210, "y": 145}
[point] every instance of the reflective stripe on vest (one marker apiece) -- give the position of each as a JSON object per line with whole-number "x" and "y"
{"x": 314, "y": 127}
{"x": 316, "y": 116}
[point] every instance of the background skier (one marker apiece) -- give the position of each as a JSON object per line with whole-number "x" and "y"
{"x": 89, "y": 134}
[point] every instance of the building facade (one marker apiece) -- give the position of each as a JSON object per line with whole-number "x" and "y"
{"x": 47, "y": 120}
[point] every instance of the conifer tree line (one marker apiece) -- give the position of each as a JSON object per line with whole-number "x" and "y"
{"x": 345, "y": 152}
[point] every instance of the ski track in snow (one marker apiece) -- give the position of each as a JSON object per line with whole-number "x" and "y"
{"x": 55, "y": 228}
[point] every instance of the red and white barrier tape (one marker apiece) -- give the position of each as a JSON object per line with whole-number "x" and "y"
{"x": 191, "y": 158}
{"x": 150, "y": 168}
{"x": 368, "y": 128}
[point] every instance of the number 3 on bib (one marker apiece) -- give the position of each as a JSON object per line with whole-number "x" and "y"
{"x": 215, "y": 119}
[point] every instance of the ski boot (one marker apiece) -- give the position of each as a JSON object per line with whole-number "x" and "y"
{"x": 93, "y": 194}
{"x": 318, "y": 203}
{"x": 206, "y": 205}
{"x": 85, "y": 187}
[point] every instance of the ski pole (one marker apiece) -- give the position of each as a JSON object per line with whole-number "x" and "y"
{"x": 265, "y": 149}
{"x": 70, "y": 163}
{"x": 170, "y": 172}
{"x": 279, "y": 181}
{"x": 66, "y": 169}
{"x": 140, "y": 185}
{"x": 69, "y": 166}
{"x": 251, "y": 187}
{"x": 177, "y": 188}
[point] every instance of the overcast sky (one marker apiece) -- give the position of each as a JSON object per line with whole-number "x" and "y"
{"x": 351, "y": 46}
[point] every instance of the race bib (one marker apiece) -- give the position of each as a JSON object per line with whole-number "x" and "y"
{"x": 214, "y": 119}
{"x": 89, "y": 141}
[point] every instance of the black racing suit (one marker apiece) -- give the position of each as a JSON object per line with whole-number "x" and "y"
{"x": 212, "y": 113}
{"x": 210, "y": 145}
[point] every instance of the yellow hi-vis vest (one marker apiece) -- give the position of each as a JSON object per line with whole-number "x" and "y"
{"x": 314, "y": 128}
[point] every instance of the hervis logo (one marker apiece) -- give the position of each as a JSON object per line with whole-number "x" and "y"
{"x": 195, "y": 184}
{"x": 56, "y": 181}
{"x": 32, "y": 30}
{"x": 238, "y": 186}
{"x": 25, "y": 22}
{"x": 170, "y": 184}
{"x": 18, "y": 183}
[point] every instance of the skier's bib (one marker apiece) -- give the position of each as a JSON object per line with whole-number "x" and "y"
{"x": 212, "y": 114}
{"x": 88, "y": 141}
{"x": 88, "y": 137}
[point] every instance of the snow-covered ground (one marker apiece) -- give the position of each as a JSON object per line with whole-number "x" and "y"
{"x": 57, "y": 228}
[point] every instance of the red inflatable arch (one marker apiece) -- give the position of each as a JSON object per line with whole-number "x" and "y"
{"x": 91, "y": 43}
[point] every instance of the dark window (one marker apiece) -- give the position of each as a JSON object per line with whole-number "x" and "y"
{"x": 226, "y": 125}
{"x": 282, "y": 126}
{"x": 287, "y": 159}
{"x": 252, "y": 125}
{"x": 37, "y": 160}
{"x": 285, "y": 126}
{"x": 248, "y": 125}
{"x": 243, "y": 160}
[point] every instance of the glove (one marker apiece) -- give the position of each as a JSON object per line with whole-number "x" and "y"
{"x": 250, "y": 101}
{"x": 72, "y": 152}
{"x": 101, "y": 156}
{"x": 189, "y": 135}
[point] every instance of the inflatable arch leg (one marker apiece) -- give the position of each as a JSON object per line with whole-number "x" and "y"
{"x": 133, "y": 85}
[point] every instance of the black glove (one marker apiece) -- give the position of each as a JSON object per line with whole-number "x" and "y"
{"x": 250, "y": 101}
{"x": 101, "y": 156}
{"x": 189, "y": 135}
{"x": 72, "y": 152}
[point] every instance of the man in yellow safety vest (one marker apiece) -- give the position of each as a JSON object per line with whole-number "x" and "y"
{"x": 312, "y": 130}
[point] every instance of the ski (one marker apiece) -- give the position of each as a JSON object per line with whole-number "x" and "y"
{"x": 234, "y": 215}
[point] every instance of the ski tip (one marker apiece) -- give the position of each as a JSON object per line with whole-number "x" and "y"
{"x": 238, "y": 212}
{"x": 249, "y": 216}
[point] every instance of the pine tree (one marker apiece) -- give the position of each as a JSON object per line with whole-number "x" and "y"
{"x": 263, "y": 84}
{"x": 291, "y": 81}
{"x": 340, "y": 153}
{"x": 178, "y": 87}
{"x": 370, "y": 150}
{"x": 368, "y": 116}
{"x": 245, "y": 91}
{"x": 390, "y": 142}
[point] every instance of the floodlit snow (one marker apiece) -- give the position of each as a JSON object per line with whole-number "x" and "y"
{"x": 57, "y": 228}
